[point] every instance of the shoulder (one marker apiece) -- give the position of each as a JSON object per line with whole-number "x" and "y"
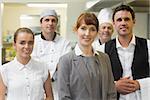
{"x": 110, "y": 42}
{"x": 65, "y": 62}
{"x": 102, "y": 55}
{"x": 61, "y": 39}
{"x": 110, "y": 45}
{"x": 139, "y": 39}
{"x": 69, "y": 56}
{"x": 142, "y": 41}
{"x": 37, "y": 37}
{"x": 7, "y": 67}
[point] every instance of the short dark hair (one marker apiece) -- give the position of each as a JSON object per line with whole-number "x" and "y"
{"x": 88, "y": 18}
{"x": 124, "y": 7}
{"x": 23, "y": 29}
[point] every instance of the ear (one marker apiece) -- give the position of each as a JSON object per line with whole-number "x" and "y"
{"x": 134, "y": 21}
{"x": 113, "y": 23}
{"x": 14, "y": 45}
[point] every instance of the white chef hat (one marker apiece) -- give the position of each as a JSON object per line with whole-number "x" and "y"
{"x": 105, "y": 16}
{"x": 48, "y": 12}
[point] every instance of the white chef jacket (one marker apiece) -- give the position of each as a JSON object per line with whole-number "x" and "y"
{"x": 98, "y": 46}
{"x": 24, "y": 82}
{"x": 50, "y": 51}
{"x": 126, "y": 58}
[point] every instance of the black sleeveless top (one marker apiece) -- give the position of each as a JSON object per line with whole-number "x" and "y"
{"x": 140, "y": 64}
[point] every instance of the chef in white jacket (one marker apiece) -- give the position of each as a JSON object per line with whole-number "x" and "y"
{"x": 105, "y": 27}
{"x": 130, "y": 57}
{"x": 49, "y": 45}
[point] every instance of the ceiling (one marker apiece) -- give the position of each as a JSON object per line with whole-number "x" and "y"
{"x": 138, "y": 5}
{"x": 43, "y": 1}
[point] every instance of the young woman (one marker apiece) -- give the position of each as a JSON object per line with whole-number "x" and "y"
{"x": 24, "y": 78}
{"x": 84, "y": 73}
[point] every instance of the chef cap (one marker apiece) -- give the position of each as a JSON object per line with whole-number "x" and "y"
{"x": 105, "y": 16}
{"x": 48, "y": 12}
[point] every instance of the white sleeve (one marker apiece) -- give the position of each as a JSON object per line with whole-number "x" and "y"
{"x": 68, "y": 47}
{"x": 3, "y": 75}
{"x": 46, "y": 72}
{"x": 145, "y": 88}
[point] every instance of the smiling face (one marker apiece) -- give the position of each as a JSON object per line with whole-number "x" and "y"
{"x": 105, "y": 32}
{"x": 23, "y": 45}
{"x": 86, "y": 35}
{"x": 123, "y": 23}
{"x": 86, "y": 29}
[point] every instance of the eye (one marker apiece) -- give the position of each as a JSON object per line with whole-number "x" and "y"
{"x": 103, "y": 27}
{"x": 53, "y": 20}
{"x": 119, "y": 19}
{"x": 93, "y": 29}
{"x": 22, "y": 42}
{"x": 127, "y": 19}
{"x": 30, "y": 42}
{"x": 109, "y": 28}
{"x": 47, "y": 20}
{"x": 83, "y": 28}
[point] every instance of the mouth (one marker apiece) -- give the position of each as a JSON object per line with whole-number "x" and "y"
{"x": 27, "y": 52}
{"x": 87, "y": 38}
{"x": 105, "y": 34}
{"x": 123, "y": 27}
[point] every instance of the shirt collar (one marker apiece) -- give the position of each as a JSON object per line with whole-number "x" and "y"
{"x": 54, "y": 38}
{"x": 78, "y": 51}
{"x": 20, "y": 66}
{"x": 131, "y": 43}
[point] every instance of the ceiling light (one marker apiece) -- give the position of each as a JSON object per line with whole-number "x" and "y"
{"x": 48, "y": 5}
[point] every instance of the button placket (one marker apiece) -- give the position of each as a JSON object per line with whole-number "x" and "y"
{"x": 27, "y": 83}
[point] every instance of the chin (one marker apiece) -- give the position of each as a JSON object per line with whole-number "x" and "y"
{"x": 26, "y": 56}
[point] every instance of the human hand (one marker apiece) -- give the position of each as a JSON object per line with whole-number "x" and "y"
{"x": 126, "y": 85}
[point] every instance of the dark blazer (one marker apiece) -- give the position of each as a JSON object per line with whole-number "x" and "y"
{"x": 73, "y": 80}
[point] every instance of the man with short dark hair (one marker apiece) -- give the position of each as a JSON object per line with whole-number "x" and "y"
{"x": 49, "y": 45}
{"x": 130, "y": 57}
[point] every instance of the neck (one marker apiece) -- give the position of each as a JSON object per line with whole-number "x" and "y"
{"x": 103, "y": 40}
{"x": 23, "y": 61}
{"x": 49, "y": 36}
{"x": 87, "y": 51}
{"x": 125, "y": 40}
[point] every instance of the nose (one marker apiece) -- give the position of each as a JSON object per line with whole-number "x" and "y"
{"x": 123, "y": 22}
{"x": 50, "y": 22}
{"x": 87, "y": 32}
{"x": 26, "y": 45}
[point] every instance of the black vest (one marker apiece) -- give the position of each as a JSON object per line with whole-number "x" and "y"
{"x": 140, "y": 64}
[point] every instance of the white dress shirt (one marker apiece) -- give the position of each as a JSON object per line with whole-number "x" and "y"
{"x": 50, "y": 51}
{"x": 24, "y": 82}
{"x": 126, "y": 58}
